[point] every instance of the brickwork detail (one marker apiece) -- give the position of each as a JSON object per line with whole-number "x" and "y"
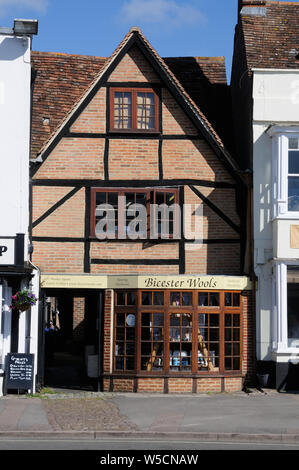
{"x": 209, "y": 385}
{"x": 133, "y": 159}
{"x": 67, "y": 220}
{"x": 150, "y": 385}
{"x": 178, "y": 385}
{"x": 78, "y": 318}
{"x": 134, "y": 67}
{"x": 93, "y": 118}
{"x": 108, "y": 330}
{"x": 174, "y": 120}
{"x": 74, "y": 158}
{"x": 56, "y": 257}
{"x": 185, "y": 159}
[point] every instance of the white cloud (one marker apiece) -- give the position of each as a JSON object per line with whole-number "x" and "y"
{"x": 39, "y": 6}
{"x": 170, "y": 13}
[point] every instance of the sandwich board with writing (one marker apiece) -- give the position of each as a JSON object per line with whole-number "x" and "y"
{"x": 19, "y": 371}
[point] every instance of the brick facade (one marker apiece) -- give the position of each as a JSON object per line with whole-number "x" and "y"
{"x": 178, "y": 157}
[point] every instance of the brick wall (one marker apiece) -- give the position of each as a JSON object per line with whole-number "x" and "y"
{"x": 67, "y": 220}
{"x": 74, "y": 158}
{"x": 57, "y": 257}
{"x": 174, "y": 120}
{"x": 133, "y": 159}
{"x": 93, "y": 117}
{"x": 108, "y": 331}
{"x": 134, "y": 68}
{"x": 78, "y": 319}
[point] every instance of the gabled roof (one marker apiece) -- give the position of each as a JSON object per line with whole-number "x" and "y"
{"x": 271, "y": 33}
{"x": 134, "y": 37}
{"x": 60, "y": 80}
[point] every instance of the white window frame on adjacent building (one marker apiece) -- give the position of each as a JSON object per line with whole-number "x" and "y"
{"x": 280, "y": 304}
{"x": 280, "y": 170}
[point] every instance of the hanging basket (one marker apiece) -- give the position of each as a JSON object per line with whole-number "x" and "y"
{"x": 24, "y": 307}
{"x": 23, "y": 300}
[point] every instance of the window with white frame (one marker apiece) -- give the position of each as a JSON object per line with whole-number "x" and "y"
{"x": 293, "y": 174}
{"x": 285, "y": 170}
{"x": 293, "y": 306}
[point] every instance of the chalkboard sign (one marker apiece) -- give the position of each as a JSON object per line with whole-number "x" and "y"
{"x": 19, "y": 371}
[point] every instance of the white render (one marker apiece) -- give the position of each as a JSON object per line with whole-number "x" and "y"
{"x": 15, "y": 78}
{"x": 275, "y": 117}
{"x": 15, "y": 105}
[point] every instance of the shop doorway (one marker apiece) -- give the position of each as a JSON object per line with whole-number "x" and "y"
{"x": 72, "y": 339}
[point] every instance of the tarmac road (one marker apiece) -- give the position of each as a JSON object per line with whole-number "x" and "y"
{"x": 143, "y": 445}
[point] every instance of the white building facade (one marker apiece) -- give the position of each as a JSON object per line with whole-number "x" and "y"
{"x": 276, "y": 218}
{"x": 18, "y": 330}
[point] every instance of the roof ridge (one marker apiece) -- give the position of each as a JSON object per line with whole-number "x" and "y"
{"x": 67, "y": 54}
{"x": 194, "y": 57}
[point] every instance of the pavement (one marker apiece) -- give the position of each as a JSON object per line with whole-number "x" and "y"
{"x": 253, "y": 416}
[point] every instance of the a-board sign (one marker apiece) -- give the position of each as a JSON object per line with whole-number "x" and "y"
{"x": 19, "y": 371}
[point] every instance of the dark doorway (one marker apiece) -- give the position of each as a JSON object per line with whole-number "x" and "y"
{"x": 72, "y": 339}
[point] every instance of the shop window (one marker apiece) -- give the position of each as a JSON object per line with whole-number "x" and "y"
{"x": 134, "y": 213}
{"x": 178, "y": 331}
{"x": 208, "y": 299}
{"x": 180, "y": 339}
{"x": 208, "y": 354}
{"x": 134, "y": 110}
{"x": 232, "y": 341}
{"x": 125, "y": 341}
{"x": 231, "y": 299}
{"x": 178, "y": 299}
{"x": 125, "y": 298}
{"x": 152, "y": 298}
{"x": 152, "y": 341}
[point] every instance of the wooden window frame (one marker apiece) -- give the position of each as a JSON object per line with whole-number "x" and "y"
{"x": 195, "y": 310}
{"x": 133, "y": 128}
{"x": 121, "y": 192}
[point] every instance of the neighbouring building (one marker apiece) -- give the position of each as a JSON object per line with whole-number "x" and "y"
{"x": 265, "y": 90}
{"x": 111, "y": 140}
{"x": 18, "y": 330}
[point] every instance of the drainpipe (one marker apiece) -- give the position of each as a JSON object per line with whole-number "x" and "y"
{"x": 248, "y": 175}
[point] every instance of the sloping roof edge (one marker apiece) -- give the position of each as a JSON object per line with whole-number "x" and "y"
{"x": 136, "y": 36}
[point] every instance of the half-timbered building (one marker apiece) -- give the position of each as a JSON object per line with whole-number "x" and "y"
{"x": 138, "y": 221}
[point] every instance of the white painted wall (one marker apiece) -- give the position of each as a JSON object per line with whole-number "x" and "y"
{"x": 15, "y": 104}
{"x": 275, "y": 102}
{"x": 15, "y": 72}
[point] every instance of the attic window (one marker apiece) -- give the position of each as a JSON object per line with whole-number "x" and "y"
{"x": 133, "y": 109}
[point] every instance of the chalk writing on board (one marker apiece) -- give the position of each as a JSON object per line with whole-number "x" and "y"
{"x": 19, "y": 370}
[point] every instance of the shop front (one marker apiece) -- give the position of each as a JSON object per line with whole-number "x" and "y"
{"x": 170, "y": 334}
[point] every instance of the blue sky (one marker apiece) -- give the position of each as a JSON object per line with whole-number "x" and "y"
{"x": 95, "y": 27}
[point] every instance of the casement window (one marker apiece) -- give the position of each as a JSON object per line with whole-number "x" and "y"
{"x": 134, "y": 213}
{"x": 134, "y": 110}
{"x": 169, "y": 332}
{"x": 285, "y": 171}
